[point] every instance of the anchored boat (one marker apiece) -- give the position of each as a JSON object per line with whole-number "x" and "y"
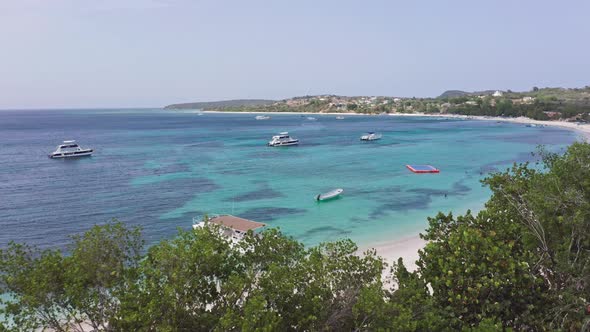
{"x": 371, "y": 136}
{"x": 283, "y": 139}
{"x": 329, "y": 195}
{"x": 70, "y": 149}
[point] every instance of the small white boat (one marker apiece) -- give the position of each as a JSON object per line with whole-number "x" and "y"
{"x": 370, "y": 136}
{"x": 70, "y": 149}
{"x": 311, "y": 118}
{"x": 283, "y": 139}
{"x": 262, "y": 117}
{"x": 329, "y": 195}
{"x": 339, "y": 118}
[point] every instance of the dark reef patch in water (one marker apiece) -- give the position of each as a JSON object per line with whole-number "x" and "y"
{"x": 377, "y": 191}
{"x": 255, "y": 195}
{"x": 174, "y": 168}
{"x": 358, "y": 220}
{"x": 327, "y": 230}
{"x": 270, "y": 213}
{"x": 166, "y": 194}
{"x": 402, "y": 203}
{"x": 416, "y": 199}
{"x": 458, "y": 189}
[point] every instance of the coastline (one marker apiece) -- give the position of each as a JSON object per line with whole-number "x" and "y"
{"x": 407, "y": 248}
{"x": 582, "y": 129}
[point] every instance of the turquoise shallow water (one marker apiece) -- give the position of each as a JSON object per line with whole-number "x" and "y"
{"x": 159, "y": 169}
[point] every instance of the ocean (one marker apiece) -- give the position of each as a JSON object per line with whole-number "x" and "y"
{"x": 159, "y": 169}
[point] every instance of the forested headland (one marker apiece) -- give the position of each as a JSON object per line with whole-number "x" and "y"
{"x": 566, "y": 104}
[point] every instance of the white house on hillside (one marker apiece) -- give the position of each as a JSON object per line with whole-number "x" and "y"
{"x": 498, "y": 93}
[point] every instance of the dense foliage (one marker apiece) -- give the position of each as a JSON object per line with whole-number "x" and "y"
{"x": 522, "y": 263}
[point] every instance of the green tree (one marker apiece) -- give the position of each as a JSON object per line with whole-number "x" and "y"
{"x": 552, "y": 203}
{"x": 62, "y": 292}
{"x": 478, "y": 269}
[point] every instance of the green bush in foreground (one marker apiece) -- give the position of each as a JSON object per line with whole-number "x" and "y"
{"x": 522, "y": 263}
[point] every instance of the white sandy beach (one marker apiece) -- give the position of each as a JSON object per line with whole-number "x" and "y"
{"x": 406, "y": 248}
{"x": 582, "y": 129}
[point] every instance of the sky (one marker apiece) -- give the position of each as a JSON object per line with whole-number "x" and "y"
{"x": 150, "y": 53}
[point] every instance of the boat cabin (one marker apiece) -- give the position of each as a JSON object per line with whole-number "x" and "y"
{"x": 68, "y": 144}
{"x": 282, "y": 135}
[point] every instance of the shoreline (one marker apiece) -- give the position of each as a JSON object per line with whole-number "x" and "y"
{"x": 407, "y": 247}
{"x": 583, "y": 129}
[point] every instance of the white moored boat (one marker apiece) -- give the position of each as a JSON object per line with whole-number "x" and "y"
{"x": 339, "y": 118}
{"x": 70, "y": 149}
{"x": 329, "y": 195}
{"x": 311, "y": 118}
{"x": 370, "y": 136}
{"x": 262, "y": 117}
{"x": 283, "y": 139}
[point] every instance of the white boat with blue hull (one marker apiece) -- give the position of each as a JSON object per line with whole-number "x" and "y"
{"x": 370, "y": 136}
{"x": 329, "y": 195}
{"x": 70, "y": 149}
{"x": 283, "y": 139}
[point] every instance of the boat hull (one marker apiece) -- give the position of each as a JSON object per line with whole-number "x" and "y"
{"x": 284, "y": 143}
{"x": 371, "y": 137}
{"x": 77, "y": 154}
{"x": 329, "y": 195}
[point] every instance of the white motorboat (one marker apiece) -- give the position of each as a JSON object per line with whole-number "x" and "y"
{"x": 339, "y": 118}
{"x": 70, "y": 149}
{"x": 329, "y": 195}
{"x": 262, "y": 117}
{"x": 311, "y": 118}
{"x": 283, "y": 139}
{"x": 371, "y": 136}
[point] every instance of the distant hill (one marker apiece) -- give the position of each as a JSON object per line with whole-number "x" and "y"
{"x": 221, "y": 104}
{"x": 453, "y": 94}
{"x": 459, "y": 93}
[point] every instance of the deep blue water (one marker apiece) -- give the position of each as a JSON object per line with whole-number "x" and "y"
{"x": 158, "y": 169}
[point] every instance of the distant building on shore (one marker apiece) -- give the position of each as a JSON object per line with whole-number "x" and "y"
{"x": 234, "y": 228}
{"x": 498, "y": 93}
